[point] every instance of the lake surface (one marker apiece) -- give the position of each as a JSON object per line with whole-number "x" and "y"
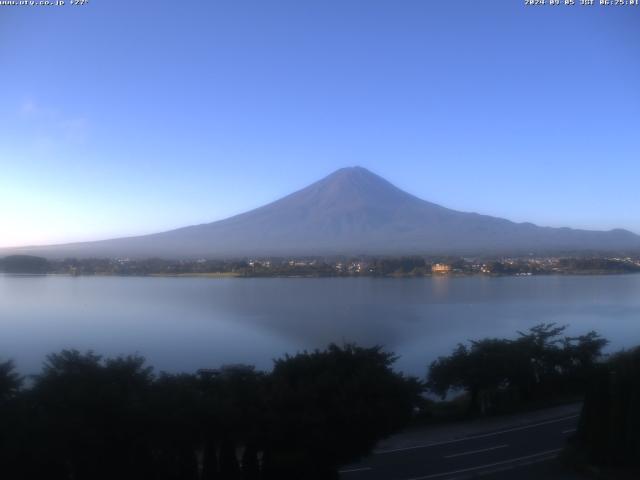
{"x": 181, "y": 324}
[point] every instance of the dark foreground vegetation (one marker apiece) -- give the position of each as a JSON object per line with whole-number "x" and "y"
{"x": 543, "y": 366}
{"x": 401, "y": 266}
{"x": 85, "y": 417}
{"x": 499, "y": 375}
{"x": 608, "y": 435}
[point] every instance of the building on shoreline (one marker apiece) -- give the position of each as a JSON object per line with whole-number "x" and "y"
{"x": 440, "y": 268}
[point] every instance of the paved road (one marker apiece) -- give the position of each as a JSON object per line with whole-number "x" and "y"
{"x": 491, "y": 454}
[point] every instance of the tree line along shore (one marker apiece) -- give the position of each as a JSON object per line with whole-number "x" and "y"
{"x": 409, "y": 266}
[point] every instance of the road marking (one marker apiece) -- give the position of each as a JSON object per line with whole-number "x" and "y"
{"x": 488, "y": 465}
{"x": 474, "y": 437}
{"x": 571, "y": 430}
{"x": 351, "y": 470}
{"x": 475, "y": 451}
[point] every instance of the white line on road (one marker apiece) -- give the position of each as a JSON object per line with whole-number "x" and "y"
{"x": 489, "y": 465}
{"x": 474, "y": 437}
{"x": 351, "y": 470}
{"x": 475, "y": 451}
{"x": 571, "y": 430}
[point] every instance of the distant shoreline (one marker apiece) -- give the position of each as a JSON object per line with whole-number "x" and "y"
{"x": 203, "y": 275}
{"x": 364, "y": 266}
{"x": 395, "y": 277}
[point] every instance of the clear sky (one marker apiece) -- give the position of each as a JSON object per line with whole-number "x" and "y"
{"x": 123, "y": 117}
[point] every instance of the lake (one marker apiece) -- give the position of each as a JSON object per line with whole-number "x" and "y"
{"x": 182, "y": 324}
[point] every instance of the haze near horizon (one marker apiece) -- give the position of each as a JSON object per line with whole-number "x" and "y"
{"x": 195, "y": 114}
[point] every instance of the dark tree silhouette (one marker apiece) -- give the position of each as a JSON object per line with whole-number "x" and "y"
{"x": 85, "y": 417}
{"x": 90, "y": 416}
{"x": 537, "y": 364}
{"x": 330, "y": 407}
{"x": 10, "y": 381}
{"x": 10, "y": 384}
{"x": 485, "y": 365}
{"x": 609, "y": 428}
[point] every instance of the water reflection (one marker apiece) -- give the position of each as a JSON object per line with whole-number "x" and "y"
{"x": 187, "y": 323}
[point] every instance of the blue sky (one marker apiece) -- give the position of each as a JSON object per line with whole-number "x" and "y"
{"x": 124, "y": 117}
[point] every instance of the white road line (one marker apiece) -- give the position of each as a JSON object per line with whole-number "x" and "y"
{"x": 475, "y": 451}
{"x": 351, "y": 470}
{"x": 571, "y": 430}
{"x": 474, "y": 437}
{"x": 488, "y": 465}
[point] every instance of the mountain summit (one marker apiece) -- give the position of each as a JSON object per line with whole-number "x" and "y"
{"x": 351, "y": 211}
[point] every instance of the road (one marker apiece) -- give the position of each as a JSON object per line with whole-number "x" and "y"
{"x": 488, "y": 454}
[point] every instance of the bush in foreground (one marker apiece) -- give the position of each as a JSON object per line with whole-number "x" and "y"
{"x": 86, "y": 417}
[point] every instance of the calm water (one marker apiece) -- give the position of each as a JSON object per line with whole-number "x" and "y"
{"x": 188, "y": 323}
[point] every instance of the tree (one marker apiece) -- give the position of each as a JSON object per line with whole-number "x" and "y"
{"x": 10, "y": 388}
{"x": 178, "y": 419}
{"x": 330, "y": 407}
{"x": 486, "y": 365}
{"x": 609, "y": 428}
{"x": 90, "y": 416}
{"x": 10, "y": 381}
{"x": 537, "y": 364}
{"x": 86, "y": 417}
{"x": 24, "y": 264}
{"x": 234, "y": 406}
